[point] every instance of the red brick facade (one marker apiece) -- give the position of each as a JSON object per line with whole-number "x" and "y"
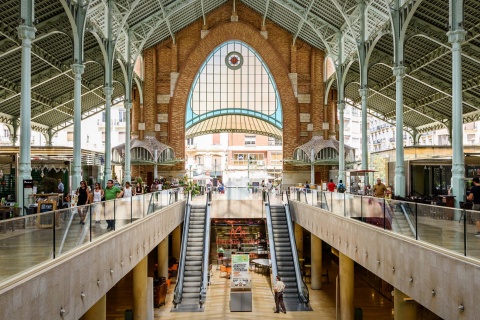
{"x": 190, "y": 51}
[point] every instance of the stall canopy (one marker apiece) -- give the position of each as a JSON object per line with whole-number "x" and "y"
{"x": 324, "y": 152}
{"x": 145, "y": 152}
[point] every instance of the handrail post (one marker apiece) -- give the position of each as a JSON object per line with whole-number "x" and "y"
{"x": 464, "y": 231}
{"x": 114, "y": 214}
{"x": 361, "y": 208}
{"x": 384, "y": 215}
{"x": 53, "y": 228}
{"x": 344, "y": 204}
{"x": 416, "y": 220}
{"x": 90, "y": 222}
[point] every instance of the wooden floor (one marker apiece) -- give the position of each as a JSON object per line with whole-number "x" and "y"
{"x": 374, "y": 305}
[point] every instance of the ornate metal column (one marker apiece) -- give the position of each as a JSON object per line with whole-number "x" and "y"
{"x": 128, "y": 107}
{"x": 399, "y": 73}
{"x": 108, "y": 91}
{"x": 26, "y": 32}
{"x": 77, "y": 126}
{"x": 341, "y": 108}
{"x": 362, "y": 49}
{"x": 79, "y": 12}
{"x": 456, "y": 36}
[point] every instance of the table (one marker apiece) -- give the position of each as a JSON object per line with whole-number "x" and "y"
{"x": 263, "y": 263}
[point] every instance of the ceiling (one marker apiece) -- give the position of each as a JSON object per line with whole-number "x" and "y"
{"x": 427, "y": 93}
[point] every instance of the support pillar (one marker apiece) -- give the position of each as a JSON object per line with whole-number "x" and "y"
{"x": 176, "y": 241}
{"x": 162, "y": 253}
{"x": 128, "y": 166}
{"x": 140, "y": 287}
{"x": 316, "y": 265}
{"x": 78, "y": 70}
{"x": 98, "y": 311}
{"x": 299, "y": 240}
{"x": 399, "y": 73}
{"x": 364, "y": 95}
{"x": 341, "y": 140}
{"x": 108, "y": 133}
{"x": 405, "y": 308}
{"x": 346, "y": 288}
{"x": 456, "y": 36}
{"x": 26, "y": 32}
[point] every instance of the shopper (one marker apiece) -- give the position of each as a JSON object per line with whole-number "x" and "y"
{"x": 379, "y": 189}
{"x": 98, "y": 194}
{"x": 112, "y": 192}
{"x": 83, "y": 199}
{"x": 331, "y": 186}
{"x": 475, "y": 197}
{"x": 127, "y": 191}
{"x": 279, "y": 287}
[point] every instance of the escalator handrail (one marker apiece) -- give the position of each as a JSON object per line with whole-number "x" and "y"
{"x": 300, "y": 284}
{"x": 206, "y": 251}
{"x": 271, "y": 240}
{"x": 177, "y": 296}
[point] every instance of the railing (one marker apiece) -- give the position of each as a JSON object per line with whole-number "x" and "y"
{"x": 177, "y": 294}
{"x": 30, "y": 240}
{"x": 271, "y": 240}
{"x": 303, "y": 294}
{"x": 450, "y": 228}
{"x": 206, "y": 250}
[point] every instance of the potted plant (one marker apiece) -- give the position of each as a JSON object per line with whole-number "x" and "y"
{"x": 192, "y": 187}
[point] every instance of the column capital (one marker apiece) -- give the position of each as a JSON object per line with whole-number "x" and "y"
{"x": 128, "y": 105}
{"x": 78, "y": 68}
{"x": 399, "y": 71}
{"x": 108, "y": 91}
{"x": 363, "y": 92}
{"x": 456, "y": 36}
{"x": 341, "y": 105}
{"x": 26, "y": 32}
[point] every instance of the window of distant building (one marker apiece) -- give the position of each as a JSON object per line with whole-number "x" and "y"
{"x": 276, "y": 158}
{"x": 274, "y": 141}
{"x": 121, "y": 116}
{"x": 250, "y": 140}
{"x": 70, "y": 136}
{"x": 189, "y": 141}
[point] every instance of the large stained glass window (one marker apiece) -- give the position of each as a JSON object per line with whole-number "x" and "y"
{"x": 234, "y": 80}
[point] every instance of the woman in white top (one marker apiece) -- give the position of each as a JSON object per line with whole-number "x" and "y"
{"x": 97, "y": 197}
{"x": 127, "y": 191}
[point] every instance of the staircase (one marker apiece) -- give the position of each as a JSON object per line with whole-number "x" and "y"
{"x": 285, "y": 260}
{"x": 400, "y": 223}
{"x": 192, "y": 276}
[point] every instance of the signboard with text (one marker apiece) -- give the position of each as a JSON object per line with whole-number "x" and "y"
{"x": 240, "y": 277}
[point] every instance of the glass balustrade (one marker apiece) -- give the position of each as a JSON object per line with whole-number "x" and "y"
{"x": 453, "y": 229}
{"x": 30, "y": 240}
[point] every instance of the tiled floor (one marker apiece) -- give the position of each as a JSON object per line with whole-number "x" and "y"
{"x": 374, "y": 305}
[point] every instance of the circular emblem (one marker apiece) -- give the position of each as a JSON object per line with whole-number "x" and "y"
{"x": 234, "y": 60}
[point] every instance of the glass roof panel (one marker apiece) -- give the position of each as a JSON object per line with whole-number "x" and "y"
{"x": 234, "y": 80}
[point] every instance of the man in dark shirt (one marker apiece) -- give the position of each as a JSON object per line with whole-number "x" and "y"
{"x": 475, "y": 196}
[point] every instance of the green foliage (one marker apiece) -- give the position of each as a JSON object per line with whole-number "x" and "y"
{"x": 49, "y": 185}
{"x": 138, "y": 180}
{"x": 193, "y": 187}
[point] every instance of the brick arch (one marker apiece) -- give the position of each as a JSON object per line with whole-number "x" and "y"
{"x": 278, "y": 68}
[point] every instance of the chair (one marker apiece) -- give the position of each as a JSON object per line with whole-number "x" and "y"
{"x": 223, "y": 270}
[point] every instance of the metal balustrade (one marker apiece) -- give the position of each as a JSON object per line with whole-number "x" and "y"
{"x": 450, "y": 228}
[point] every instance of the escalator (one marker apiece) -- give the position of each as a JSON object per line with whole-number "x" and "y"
{"x": 191, "y": 289}
{"x": 284, "y": 257}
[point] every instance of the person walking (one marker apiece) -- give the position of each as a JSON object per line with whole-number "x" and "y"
{"x": 111, "y": 192}
{"x": 475, "y": 197}
{"x": 83, "y": 199}
{"x": 97, "y": 197}
{"x": 127, "y": 191}
{"x": 279, "y": 287}
{"x": 331, "y": 186}
{"x": 379, "y": 189}
{"x": 138, "y": 189}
